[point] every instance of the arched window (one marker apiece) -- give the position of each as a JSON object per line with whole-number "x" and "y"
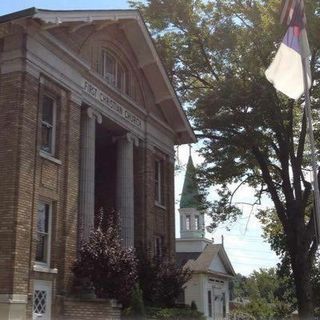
{"x": 115, "y": 72}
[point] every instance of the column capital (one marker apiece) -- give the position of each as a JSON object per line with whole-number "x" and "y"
{"x": 128, "y": 136}
{"x": 94, "y": 114}
{"x": 76, "y": 98}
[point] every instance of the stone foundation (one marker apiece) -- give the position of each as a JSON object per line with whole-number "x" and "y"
{"x": 95, "y": 309}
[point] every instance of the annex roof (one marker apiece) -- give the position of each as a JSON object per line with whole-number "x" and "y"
{"x": 140, "y": 41}
{"x": 203, "y": 262}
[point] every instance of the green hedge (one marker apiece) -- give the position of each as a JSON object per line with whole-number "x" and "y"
{"x": 173, "y": 314}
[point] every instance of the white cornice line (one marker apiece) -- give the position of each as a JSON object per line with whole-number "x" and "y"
{"x": 74, "y": 16}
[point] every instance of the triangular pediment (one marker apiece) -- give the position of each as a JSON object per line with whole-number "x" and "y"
{"x": 217, "y": 265}
{"x": 90, "y": 39}
{"x": 82, "y": 26}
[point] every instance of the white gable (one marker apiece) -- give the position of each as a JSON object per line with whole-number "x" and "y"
{"x": 217, "y": 265}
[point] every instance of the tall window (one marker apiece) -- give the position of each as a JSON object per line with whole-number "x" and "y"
{"x": 48, "y": 125}
{"x": 43, "y": 232}
{"x": 196, "y": 222}
{"x": 115, "y": 72}
{"x": 188, "y": 222}
{"x": 209, "y": 304}
{"x": 159, "y": 182}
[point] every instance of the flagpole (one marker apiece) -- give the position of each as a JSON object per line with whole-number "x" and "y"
{"x": 313, "y": 152}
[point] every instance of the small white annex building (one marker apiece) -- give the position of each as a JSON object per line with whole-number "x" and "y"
{"x": 211, "y": 269}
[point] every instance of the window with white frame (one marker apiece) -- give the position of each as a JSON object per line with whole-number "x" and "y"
{"x": 188, "y": 222}
{"x": 159, "y": 182}
{"x": 115, "y": 72}
{"x": 196, "y": 222}
{"x": 44, "y": 216}
{"x": 48, "y": 124}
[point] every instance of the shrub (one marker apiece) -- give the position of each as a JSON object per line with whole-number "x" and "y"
{"x": 110, "y": 268}
{"x": 174, "y": 314}
{"x": 161, "y": 281}
{"x": 136, "y": 309}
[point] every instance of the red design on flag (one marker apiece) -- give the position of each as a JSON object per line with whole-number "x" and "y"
{"x": 293, "y": 13}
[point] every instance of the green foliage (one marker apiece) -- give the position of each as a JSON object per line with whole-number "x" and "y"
{"x": 174, "y": 314}
{"x": 216, "y": 52}
{"x": 264, "y": 294}
{"x": 111, "y": 268}
{"x": 161, "y": 281}
{"x": 273, "y": 233}
{"x": 136, "y": 309}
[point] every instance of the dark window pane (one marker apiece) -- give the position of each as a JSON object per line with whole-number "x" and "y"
{"x": 47, "y": 110}
{"x": 109, "y": 68}
{"x": 46, "y": 138}
{"x": 120, "y": 77}
{"x": 209, "y": 304}
{"x": 42, "y": 247}
{"x": 42, "y": 232}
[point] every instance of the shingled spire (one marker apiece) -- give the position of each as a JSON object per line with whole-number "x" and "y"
{"x": 190, "y": 197}
{"x": 191, "y": 215}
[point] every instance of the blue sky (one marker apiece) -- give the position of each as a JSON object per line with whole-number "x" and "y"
{"x": 16, "y": 5}
{"x": 244, "y": 244}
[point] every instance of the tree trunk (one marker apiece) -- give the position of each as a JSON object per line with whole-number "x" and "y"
{"x": 303, "y": 286}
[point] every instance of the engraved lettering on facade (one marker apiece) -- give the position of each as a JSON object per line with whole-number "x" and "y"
{"x": 112, "y": 104}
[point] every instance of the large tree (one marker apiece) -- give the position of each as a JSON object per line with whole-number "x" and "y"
{"x": 216, "y": 52}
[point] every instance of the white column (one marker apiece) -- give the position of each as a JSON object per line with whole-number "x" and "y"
{"x": 125, "y": 188}
{"x": 87, "y": 171}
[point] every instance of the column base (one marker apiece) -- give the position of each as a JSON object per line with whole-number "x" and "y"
{"x": 13, "y": 306}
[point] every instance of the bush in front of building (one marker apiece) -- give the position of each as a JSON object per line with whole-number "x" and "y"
{"x": 161, "y": 281}
{"x": 111, "y": 268}
{"x": 136, "y": 309}
{"x": 185, "y": 313}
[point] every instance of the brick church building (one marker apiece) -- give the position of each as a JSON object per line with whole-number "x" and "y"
{"x": 88, "y": 118}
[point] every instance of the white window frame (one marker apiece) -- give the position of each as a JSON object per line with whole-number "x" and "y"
{"x": 112, "y": 79}
{"x": 188, "y": 222}
{"x": 53, "y": 126}
{"x": 196, "y": 222}
{"x": 159, "y": 181}
{"x": 48, "y": 258}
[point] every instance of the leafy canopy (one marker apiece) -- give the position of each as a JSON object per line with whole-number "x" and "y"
{"x": 215, "y": 53}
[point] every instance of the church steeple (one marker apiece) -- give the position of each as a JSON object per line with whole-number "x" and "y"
{"x": 191, "y": 217}
{"x": 190, "y": 197}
